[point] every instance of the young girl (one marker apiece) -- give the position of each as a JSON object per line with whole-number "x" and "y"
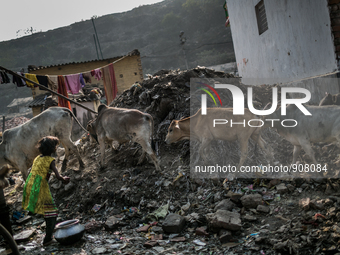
{"x": 37, "y": 196}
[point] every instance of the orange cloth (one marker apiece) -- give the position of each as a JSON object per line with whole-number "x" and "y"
{"x": 110, "y": 83}
{"x": 62, "y": 90}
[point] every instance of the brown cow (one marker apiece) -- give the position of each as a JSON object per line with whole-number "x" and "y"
{"x": 123, "y": 125}
{"x": 202, "y": 130}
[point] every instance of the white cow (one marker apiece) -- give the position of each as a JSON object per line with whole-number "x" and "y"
{"x": 18, "y": 147}
{"x": 323, "y": 126}
{"x": 123, "y": 125}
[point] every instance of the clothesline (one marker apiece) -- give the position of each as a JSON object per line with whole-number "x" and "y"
{"x": 45, "y": 88}
{"x": 105, "y": 65}
{"x": 107, "y": 75}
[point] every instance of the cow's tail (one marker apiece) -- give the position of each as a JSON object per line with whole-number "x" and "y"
{"x": 3, "y": 173}
{"x": 150, "y": 120}
{"x": 75, "y": 118}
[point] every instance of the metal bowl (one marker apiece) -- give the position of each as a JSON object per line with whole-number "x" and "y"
{"x": 69, "y": 232}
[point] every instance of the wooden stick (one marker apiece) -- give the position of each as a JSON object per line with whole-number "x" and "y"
{"x": 42, "y": 86}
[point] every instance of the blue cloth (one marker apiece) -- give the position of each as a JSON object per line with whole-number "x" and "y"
{"x": 81, "y": 79}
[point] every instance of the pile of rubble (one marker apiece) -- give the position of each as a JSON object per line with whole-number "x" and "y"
{"x": 135, "y": 212}
{"x": 166, "y": 96}
{"x": 128, "y": 209}
{"x": 16, "y": 121}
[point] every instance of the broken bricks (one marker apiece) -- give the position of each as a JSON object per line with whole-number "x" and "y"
{"x": 24, "y": 235}
{"x": 281, "y": 188}
{"x": 224, "y": 219}
{"x": 111, "y": 223}
{"x": 92, "y": 226}
{"x": 150, "y": 244}
{"x": 173, "y": 223}
{"x": 143, "y": 228}
{"x": 225, "y": 236}
{"x": 202, "y": 231}
{"x": 263, "y": 209}
{"x": 251, "y": 201}
{"x": 225, "y": 204}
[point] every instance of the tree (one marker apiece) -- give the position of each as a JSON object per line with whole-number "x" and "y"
{"x": 26, "y": 31}
{"x": 170, "y": 20}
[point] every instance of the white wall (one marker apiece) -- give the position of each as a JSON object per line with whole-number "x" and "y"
{"x": 298, "y": 43}
{"x": 227, "y": 68}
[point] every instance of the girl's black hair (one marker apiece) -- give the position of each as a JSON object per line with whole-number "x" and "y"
{"x": 48, "y": 145}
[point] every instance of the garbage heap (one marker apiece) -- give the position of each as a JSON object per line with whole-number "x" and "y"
{"x": 128, "y": 209}
{"x": 14, "y": 122}
{"x": 166, "y": 97}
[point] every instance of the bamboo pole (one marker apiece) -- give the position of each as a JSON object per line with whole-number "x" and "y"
{"x": 41, "y": 86}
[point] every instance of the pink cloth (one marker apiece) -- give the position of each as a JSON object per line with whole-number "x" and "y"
{"x": 73, "y": 83}
{"x": 97, "y": 73}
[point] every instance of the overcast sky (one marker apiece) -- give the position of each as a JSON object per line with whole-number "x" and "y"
{"x": 44, "y": 15}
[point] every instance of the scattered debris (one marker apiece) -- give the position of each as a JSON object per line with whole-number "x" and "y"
{"x": 173, "y": 223}
{"x": 14, "y": 122}
{"x": 24, "y": 235}
{"x": 128, "y": 209}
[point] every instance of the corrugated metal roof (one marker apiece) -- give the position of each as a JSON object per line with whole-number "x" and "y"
{"x": 38, "y": 101}
{"x": 33, "y": 68}
{"x": 20, "y": 101}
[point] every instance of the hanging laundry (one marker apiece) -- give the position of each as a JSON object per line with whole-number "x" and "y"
{"x": 52, "y": 82}
{"x": 87, "y": 77}
{"x": 81, "y": 79}
{"x": 32, "y": 77}
{"x": 110, "y": 83}
{"x": 19, "y": 81}
{"x": 62, "y": 90}
{"x": 42, "y": 79}
{"x": 4, "y": 77}
{"x": 72, "y": 83}
{"x": 97, "y": 73}
{"x": 23, "y": 75}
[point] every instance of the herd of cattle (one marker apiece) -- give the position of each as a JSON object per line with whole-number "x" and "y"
{"x": 18, "y": 147}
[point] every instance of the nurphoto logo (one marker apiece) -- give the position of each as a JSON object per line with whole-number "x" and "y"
{"x": 238, "y": 104}
{"x": 240, "y": 131}
{"x": 238, "y": 99}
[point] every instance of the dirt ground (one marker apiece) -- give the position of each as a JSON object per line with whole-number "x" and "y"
{"x": 293, "y": 216}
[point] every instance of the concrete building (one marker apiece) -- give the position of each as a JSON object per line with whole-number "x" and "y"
{"x": 291, "y": 42}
